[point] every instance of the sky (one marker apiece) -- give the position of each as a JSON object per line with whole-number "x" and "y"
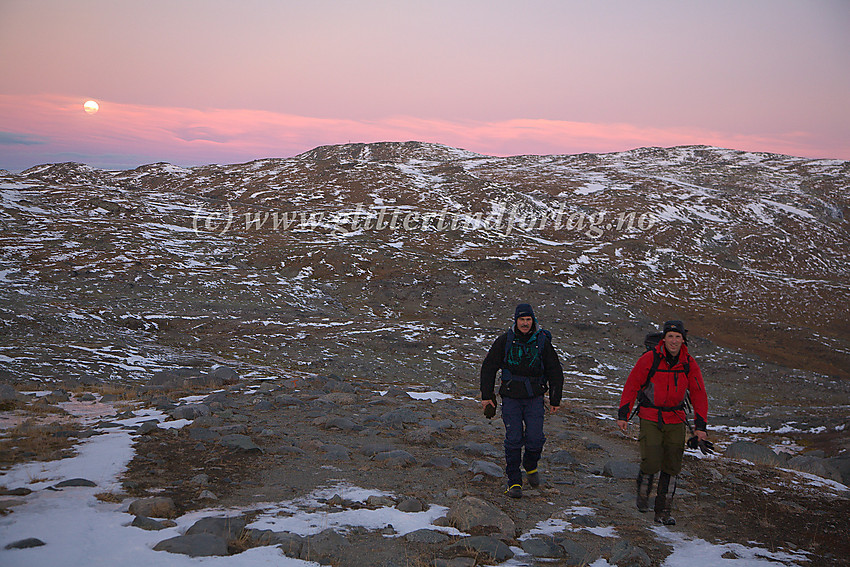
{"x": 80, "y": 530}
{"x": 194, "y": 82}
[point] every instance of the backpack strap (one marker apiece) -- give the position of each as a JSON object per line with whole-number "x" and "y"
{"x": 508, "y": 344}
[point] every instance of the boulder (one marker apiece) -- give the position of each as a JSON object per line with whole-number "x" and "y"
{"x": 221, "y": 375}
{"x": 841, "y": 463}
{"x": 148, "y": 523}
{"x": 147, "y": 427}
{"x": 754, "y": 453}
{"x": 475, "y": 516}
{"x": 486, "y": 468}
{"x": 439, "y": 463}
{"x": 375, "y": 501}
{"x": 76, "y": 482}
{"x": 339, "y": 398}
{"x": 287, "y": 400}
{"x": 621, "y": 469}
{"x": 342, "y": 423}
{"x": 483, "y": 545}
{"x": 155, "y": 507}
{"x": 481, "y": 449}
{"x": 400, "y": 416}
{"x": 439, "y": 425}
{"x": 324, "y": 547}
{"x": 540, "y": 547}
{"x": 372, "y": 449}
{"x": 336, "y": 452}
{"x": 624, "y": 554}
{"x": 25, "y": 543}
{"x": 455, "y": 562}
{"x": 240, "y": 443}
{"x": 227, "y": 528}
{"x": 217, "y": 398}
{"x": 170, "y": 379}
{"x": 562, "y": 457}
{"x": 410, "y": 505}
{"x": 576, "y": 554}
{"x": 815, "y": 466}
{"x": 395, "y": 459}
{"x": 421, "y": 436}
{"x": 203, "y": 434}
{"x": 196, "y": 545}
{"x": 426, "y": 536}
{"x": 8, "y": 393}
{"x": 190, "y": 411}
{"x": 289, "y": 543}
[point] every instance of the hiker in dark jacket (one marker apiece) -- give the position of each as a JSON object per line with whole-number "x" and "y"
{"x": 529, "y": 366}
{"x": 662, "y": 415}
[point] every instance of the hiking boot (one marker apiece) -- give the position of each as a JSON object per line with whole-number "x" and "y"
{"x": 664, "y": 499}
{"x": 642, "y": 502}
{"x": 533, "y": 478}
{"x": 514, "y": 491}
{"x": 644, "y": 487}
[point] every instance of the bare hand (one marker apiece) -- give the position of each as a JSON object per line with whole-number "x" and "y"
{"x": 701, "y": 435}
{"x": 623, "y": 425}
{"x": 485, "y": 403}
{"x": 553, "y": 409}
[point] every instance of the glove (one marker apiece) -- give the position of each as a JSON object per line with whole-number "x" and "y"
{"x": 490, "y": 410}
{"x": 707, "y": 447}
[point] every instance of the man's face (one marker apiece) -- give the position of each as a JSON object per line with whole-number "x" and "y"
{"x": 523, "y": 324}
{"x": 673, "y": 341}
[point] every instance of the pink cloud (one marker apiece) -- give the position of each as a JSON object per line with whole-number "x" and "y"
{"x": 57, "y": 125}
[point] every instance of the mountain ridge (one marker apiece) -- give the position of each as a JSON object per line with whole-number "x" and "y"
{"x": 751, "y": 247}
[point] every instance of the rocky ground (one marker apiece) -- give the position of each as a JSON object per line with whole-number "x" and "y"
{"x": 255, "y": 442}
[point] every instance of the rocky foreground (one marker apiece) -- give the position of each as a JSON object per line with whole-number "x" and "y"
{"x": 252, "y": 442}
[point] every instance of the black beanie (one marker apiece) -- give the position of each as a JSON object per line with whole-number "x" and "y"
{"x": 524, "y": 310}
{"x": 675, "y": 327}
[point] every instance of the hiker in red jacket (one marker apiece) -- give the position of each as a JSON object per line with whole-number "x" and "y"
{"x": 662, "y": 415}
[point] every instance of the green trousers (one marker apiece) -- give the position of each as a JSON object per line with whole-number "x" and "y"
{"x": 661, "y": 448}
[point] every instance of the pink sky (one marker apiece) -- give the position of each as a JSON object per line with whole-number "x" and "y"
{"x": 195, "y": 82}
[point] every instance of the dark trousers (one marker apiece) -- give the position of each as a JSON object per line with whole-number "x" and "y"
{"x": 523, "y": 428}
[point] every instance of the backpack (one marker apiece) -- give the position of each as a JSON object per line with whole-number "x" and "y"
{"x": 543, "y": 335}
{"x": 643, "y": 398}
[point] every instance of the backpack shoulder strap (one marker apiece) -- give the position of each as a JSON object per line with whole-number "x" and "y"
{"x": 543, "y": 336}
{"x": 508, "y": 344}
{"x": 656, "y": 360}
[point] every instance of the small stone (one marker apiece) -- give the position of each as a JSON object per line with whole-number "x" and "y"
{"x": 375, "y": 501}
{"x": 202, "y": 479}
{"x": 25, "y": 543}
{"x": 195, "y": 545}
{"x": 147, "y": 523}
{"x": 75, "y": 482}
{"x": 486, "y": 468}
{"x": 410, "y": 505}
{"x": 147, "y": 427}
{"x": 426, "y": 536}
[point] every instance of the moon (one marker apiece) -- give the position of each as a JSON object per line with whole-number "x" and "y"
{"x": 91, "y": 107}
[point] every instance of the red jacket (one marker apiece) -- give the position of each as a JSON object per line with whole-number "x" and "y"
{"x": 668, "y": 389}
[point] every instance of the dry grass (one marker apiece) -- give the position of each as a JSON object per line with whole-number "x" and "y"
{"x": 109, "y": 497}
{"x": 31, "y": 441}
{"x": 242, "y": 543}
